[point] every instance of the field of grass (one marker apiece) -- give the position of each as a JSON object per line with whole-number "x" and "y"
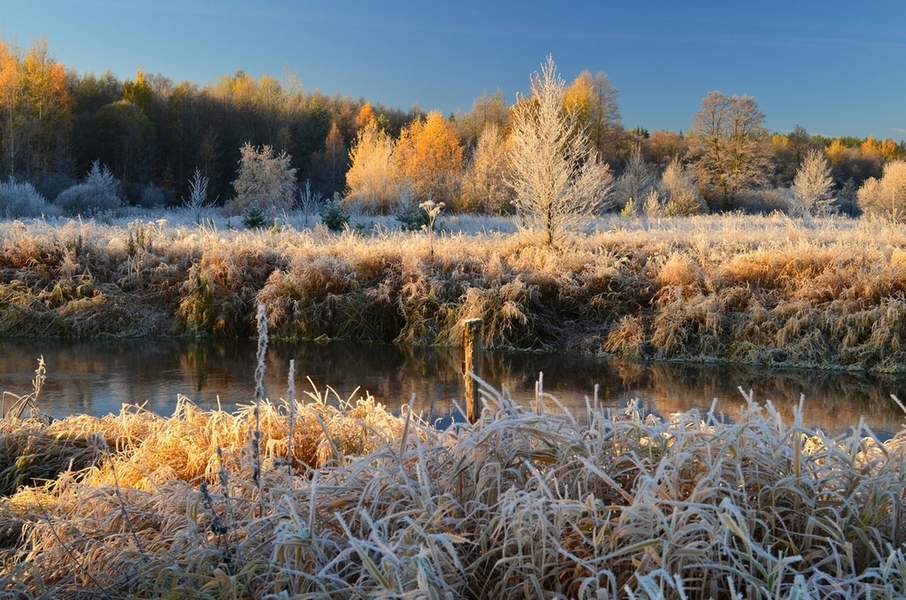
{"x": 327, "y": 499}
{"x": 769, "y": 290}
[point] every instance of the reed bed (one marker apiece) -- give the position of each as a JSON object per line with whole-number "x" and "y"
{"x": 527, "y": 502}
{"x": 769, "y": 290}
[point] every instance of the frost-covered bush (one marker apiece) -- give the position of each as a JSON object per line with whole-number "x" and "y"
{"x": 20, "y": 200}
{"x": 266, "y": 179}
{"x": 886, "y": 197}
{"x": 99, "y": 193}
{"x": 153, "y": 196}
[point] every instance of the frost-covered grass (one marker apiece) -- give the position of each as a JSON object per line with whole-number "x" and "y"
{"x": 525, "y": 503}
{"x": 825, "y": 293}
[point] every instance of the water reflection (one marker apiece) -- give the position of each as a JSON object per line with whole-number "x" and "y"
{"x": 99, "y": 377}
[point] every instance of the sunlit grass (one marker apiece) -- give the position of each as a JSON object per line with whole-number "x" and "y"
{"x": 526, "y": 503}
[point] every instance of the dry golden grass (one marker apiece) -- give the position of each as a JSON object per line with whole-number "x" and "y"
{"x": 825, "y": 293}
{"x": 525, "y": 503}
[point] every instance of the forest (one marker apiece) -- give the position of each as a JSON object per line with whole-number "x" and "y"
{"x": 150, "y": 135}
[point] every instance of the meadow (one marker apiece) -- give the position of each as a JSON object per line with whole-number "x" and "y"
{"x": 766, "y": 290}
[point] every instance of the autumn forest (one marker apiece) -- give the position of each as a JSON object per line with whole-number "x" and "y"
{"x": 152, "y": 134}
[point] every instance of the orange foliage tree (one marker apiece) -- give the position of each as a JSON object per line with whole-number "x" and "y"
{"x": 428, "y": 159}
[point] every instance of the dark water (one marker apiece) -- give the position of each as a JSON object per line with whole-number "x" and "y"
{"x": 99, "y": 377}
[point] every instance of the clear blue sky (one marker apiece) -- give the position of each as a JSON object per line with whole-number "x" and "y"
{"x": 835, "y": 67}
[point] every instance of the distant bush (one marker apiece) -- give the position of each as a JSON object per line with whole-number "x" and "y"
{"x": 154, "y": 196}
{"x": 334, "y": 215}
{"x": 20, "y": 200}
{"x": 99, "y": 193}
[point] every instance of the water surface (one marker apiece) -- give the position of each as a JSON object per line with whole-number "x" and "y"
{"x": 98, "y": 377}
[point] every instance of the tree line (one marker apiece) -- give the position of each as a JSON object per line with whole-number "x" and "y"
{"x": 152, "y": 136}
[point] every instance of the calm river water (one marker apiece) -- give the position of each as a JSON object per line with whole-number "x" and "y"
{"x": 98, "y": 377}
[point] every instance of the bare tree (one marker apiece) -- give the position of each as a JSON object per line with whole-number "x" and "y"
{"x": 812, "y": 186}
{"x": 886, "y": 197}
{"x": 728, "y": 142}
{"x": 558, "y": 181}
{"x": 197, "y": 202}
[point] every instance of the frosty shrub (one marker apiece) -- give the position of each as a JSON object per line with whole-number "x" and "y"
{"x": 197, "y": 202}
{"x": 886, "y": 197}
{"x": 99, "y": 193}
{"x": 265, "y": 179}
{"x": 20, "y": 200}
{"x": 677, "y": 185}
{"x": 153, "y": 196}
{"x": 637, "y": 180}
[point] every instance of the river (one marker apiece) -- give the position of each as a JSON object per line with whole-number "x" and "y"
{"x": 98, "y": 377}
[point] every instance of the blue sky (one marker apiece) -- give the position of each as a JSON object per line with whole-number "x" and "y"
{"x": 834, "y": 67}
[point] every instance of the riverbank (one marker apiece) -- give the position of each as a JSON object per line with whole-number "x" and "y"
{"x": 301, "y": 499}
{"x": 755, "y": 290}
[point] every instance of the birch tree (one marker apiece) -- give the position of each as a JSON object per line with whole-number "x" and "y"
{"x": 558, "y": 181}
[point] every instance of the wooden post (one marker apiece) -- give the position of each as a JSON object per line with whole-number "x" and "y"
{"x": 471, "y": 365}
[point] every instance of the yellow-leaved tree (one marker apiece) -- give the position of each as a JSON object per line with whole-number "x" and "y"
{"x": 484, "y": 182}
{"x": 36, "y": 110}
{"x": 370, "y": 182}
{"x": 428, "y": 160}
{"x": 592, "y": 102}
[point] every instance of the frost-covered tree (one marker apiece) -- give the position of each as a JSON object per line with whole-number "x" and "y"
{"x": 428, "y": 159}
{"x": 197, "y": 201}
{"x": 637, "y": 179}
{"x": 812, "y": 186}
{"x": 484, "y": 187}
{"x": 729, "y": 145}
{"x": 886, "y": 197}
{"x": 558, "y": 181}
{"x": 266, "y": 180}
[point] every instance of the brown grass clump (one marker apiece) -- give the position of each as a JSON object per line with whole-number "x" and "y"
{"x": 525, "y": 503}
